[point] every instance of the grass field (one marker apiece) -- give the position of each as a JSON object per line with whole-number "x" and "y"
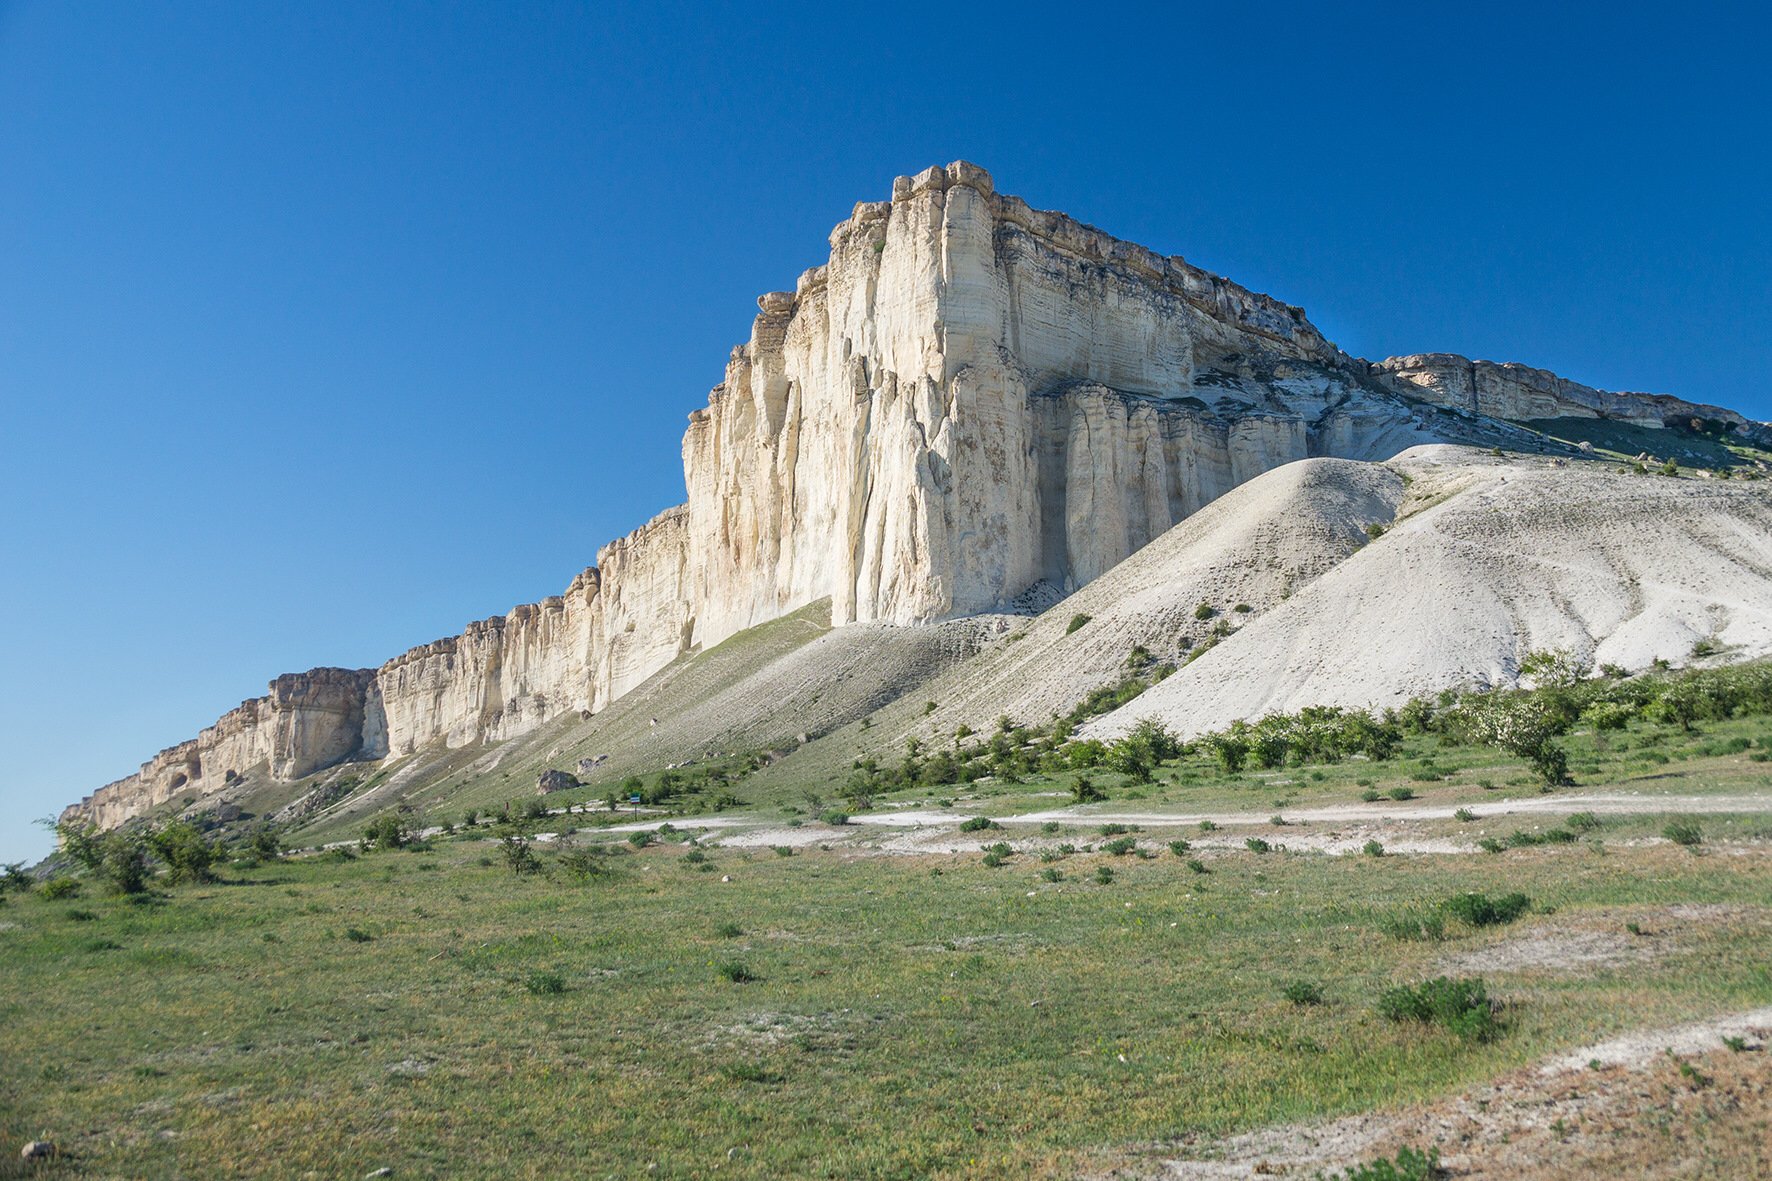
{"x": 821, "y": 1014}
{"x": 1047, "y": 991}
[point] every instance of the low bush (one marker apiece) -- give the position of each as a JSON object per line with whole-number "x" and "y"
{"x": 978, "y": 824}
{"x": 1480, "y": 910}
{"x": 735, "y": 971}
{"x": 1303, "y": 992}
{"x": 1410, "y": 1164}
{"x": 545, "y": 983}
{"x": 1461, "y": 1005}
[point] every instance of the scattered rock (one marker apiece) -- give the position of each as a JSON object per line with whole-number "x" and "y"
{"x": 38, "y": 1150}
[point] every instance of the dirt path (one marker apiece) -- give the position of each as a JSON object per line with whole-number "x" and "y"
{"x": 926, "y": 831}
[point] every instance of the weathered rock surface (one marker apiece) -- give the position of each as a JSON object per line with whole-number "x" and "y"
{"x": 973, "y": 406}
{"x": 552, "y": 780}
{"x": 1509, "y": 390}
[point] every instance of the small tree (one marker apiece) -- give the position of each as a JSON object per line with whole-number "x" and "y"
{"x": 1230, "y": 749}
{"x": 519, "y": 857}
{"x": 387, "y": 831}
{"x": 188, "y": 854}
{"x": 119, "y": 858}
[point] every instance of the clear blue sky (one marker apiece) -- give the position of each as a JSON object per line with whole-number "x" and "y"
{"x": 327, "y": 327}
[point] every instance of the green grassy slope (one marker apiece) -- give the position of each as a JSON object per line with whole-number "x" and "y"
{"x": 895, "y": 1017}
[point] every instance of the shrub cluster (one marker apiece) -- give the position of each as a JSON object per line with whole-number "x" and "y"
{"x": 1461, "y": 1005}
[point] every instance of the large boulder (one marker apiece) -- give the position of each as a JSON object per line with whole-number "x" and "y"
{"x": 552, "y": 781}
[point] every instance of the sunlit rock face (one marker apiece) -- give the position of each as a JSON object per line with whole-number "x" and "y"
{"x": 971, "y": 406}
{"x": 1514, "y": 391}
{"x": 972, "y": 397}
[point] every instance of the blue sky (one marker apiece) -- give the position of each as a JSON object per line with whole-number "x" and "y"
{"x": 326, "y": 327}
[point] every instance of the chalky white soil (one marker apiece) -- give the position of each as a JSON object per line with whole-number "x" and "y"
{"x": 1488, "y": 559}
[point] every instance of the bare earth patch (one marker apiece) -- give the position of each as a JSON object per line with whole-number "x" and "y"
{"x": 1655, "y": 1104}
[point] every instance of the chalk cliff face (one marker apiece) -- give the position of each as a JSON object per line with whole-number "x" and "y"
{"x": 1509, "y": 390}
{"x": 971, "y": 406}
{"x": 973, "y": 398}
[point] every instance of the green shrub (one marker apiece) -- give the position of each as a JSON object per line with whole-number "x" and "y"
{"x": 387, "y": 831}
{"x": 358, "y": 935}
{"x": 188, "y": 854}
{"x": 1480, "y": 910}
{"x": 1464, "y": 815}
{"x": 835, "y": 817}
{"x": 1371, "y": 795}
{"x": 1490, "y": 845}
{"x": 1257, "y": 845}
{"x": 1374, "y": 849}
{"x": 119, "y": 858}
{"x": 1231, "y": 750}
{"x": 1303, "y": 992}
{"x": 59, "y": 888}
{"x": 1410, "y": 1164}
{"x": 1402, "y": 793}
{"x": 735, "y": 971}
{"x": 1583, "y": 822}
{"x": 582, "y": 864}
{"x": 729, "y": 930}
{"x": 1077, "y": 621}
{"x": 978, "y": 824}
{"x": 1050, "y": 874}
{"x": 1104, "y": 875}
{"x": 545, "y": 983}
{"x": 1179, "y": 847}
{"x": 1204, "y": 611}
{"x": 519, "y": 858}
{"x": 1120, "y": 846}
{"x": 1460, "y": 1005}
{"x": 1197, "y": 866}
{"x": 1085, "y": 792}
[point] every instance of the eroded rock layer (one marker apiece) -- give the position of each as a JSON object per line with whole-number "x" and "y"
{"x": 972, "y": 406}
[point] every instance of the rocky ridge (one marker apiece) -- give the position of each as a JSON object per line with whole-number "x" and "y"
{"x": 972, "y": 406}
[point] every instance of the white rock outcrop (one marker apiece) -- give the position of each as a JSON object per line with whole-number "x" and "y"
{"x": 971, "y": 406}
{"x": 1514, "y": 391}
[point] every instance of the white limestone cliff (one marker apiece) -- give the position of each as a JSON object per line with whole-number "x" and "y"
{"x": 971, "y": 406}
